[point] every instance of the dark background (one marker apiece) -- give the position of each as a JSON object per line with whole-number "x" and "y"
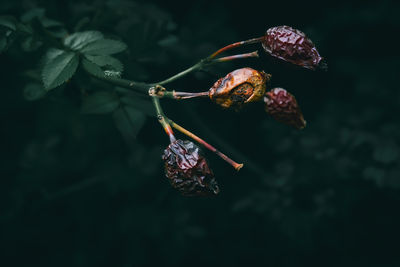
{"x": 73, "y": 192}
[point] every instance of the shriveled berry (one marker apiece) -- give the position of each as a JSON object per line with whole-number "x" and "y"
{"x": 239, "y": 87}
{"x": 187, "y": 170}
{"x": 293, "y": 46}
{"x": 283, "y": 107}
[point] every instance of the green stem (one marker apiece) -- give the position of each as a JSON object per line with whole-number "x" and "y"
{"x": 161, "y": 118}
{"x": 196, "y": 66}
{"x": 141, "y": 88}
{"x": 210, "y": 60}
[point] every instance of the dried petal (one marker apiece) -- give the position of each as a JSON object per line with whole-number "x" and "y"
{"x": 187, "y": 169}
{"x": 239, "y": 87}
{"x": 283, "y": 107}
{"x": 293, "y": 46}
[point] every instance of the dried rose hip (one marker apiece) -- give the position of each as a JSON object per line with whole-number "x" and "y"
{"x": 293, "y": 46}
{"x": 188, "y": 171}
{"x": 283, "y": 107}
{"x": 239, "y": 87}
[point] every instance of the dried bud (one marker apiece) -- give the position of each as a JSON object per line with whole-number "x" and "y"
{"x": 293, "y": 46}
{"x": 283, "y": 107}
{"x": 239, "y": 87}
{"x": 188, "y": 171}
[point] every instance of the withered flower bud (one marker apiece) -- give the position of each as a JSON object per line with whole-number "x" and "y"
{"x": 293, "y": 46}
{"x": 239, "y": 87}
{"x": 187, "y": 170}
{"x": 283, "y": 107}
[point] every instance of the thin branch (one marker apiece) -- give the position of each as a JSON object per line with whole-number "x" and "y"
{"x": 211, "y": 60}
{"x": 229, "y": 58}
{"x": 234, "y": 164}
{"x": 141, "y": 88}
{"x": 161, "y": 92}
{"x": 161, "y": 117}
{"x": 235, "y": 45}
{"x": 251, "y": 165}
{"x": 196, "y": 66}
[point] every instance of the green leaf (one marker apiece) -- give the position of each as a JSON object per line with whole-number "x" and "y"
{"x": 100, "y": 103}
{"x": 92, "y": 68}
{"x": 59, "y": 67}
{"x": 129, "y": 121}
{"x": 34, "y": 91}
{"x": 104, "y": 47}
{"x": 8, "y": 22}
{"x": 106, "y": 61}
{"x": 53, "y": 53}
{"x": 78, "y": 40}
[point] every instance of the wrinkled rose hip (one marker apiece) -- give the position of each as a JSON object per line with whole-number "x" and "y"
{"x": 239, "y": 87}
{"x": 187, "y": 170}
{"x": 293, "y": 46}
{"x": 283, "y": 107}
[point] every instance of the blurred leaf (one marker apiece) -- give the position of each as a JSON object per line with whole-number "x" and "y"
{"x": 58, "y": 32}
{"x": 168, "y": 41}
{"x": 100, "y": 103}
{"x": 34, "y": 91}
{"x": 139, "y": 103}
{"x": 375, "y": 174}
{"x": 386, "y": 153}
{"x": 30, "y": 44}
{"x": 33, "y": 13}
{"x": 104, "y": 47}
{"x": 49, "y": 23}
{"x": 27, "y": 29}
{"x": 129, "y": 121}
{"x": 59, "y": 67}
{"x": 3, "y": 43}
{"x": 78, "y": 40}
{"x": 104, "y": 61}
{"x": 81, "y": 23}
{"x": 33, "y": 74}
{"x": 8, "y": 22}
{"x": 7, "y": 32}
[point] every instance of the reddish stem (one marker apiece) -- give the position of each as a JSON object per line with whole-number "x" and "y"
{"x": 229, "y": 58}
{"x": 234, "y": 164}
{"x": 237, "y": 44}
{"x": 186, "y": 95}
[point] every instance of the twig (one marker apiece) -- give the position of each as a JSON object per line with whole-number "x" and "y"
{"x": 234, "y": 164}
{"x": 235, "y": 45}
{"x": 209, "y": 61}
{"x": 161, "y": 117}
{"x": 252, "y": 166}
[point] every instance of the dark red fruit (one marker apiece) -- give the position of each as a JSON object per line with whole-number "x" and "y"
{"x": 239, "y": 87}
{"x": 293, "y": 46}
{"x": 283, "y": 107}
{"x": 188, "y": 171}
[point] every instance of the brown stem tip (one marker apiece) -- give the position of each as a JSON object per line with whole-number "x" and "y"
{"x": 238, "y": 167}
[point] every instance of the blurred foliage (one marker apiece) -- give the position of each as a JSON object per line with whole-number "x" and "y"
{"x": 89, "y": 190}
